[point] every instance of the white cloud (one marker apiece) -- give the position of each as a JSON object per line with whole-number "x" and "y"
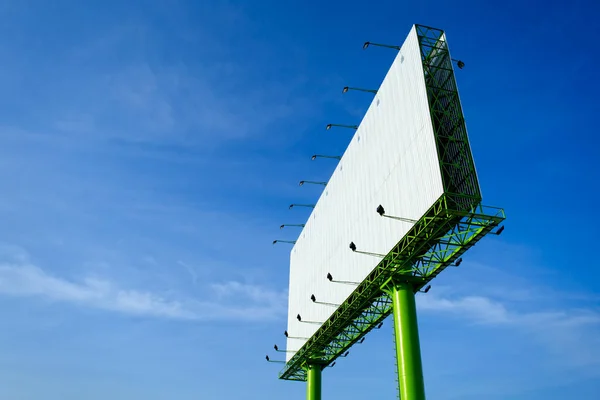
{"x": 570, "y": 335}
{"x": 252, "y": 292}
{"x": 27, "y": 280}
{"x": 250, "y": 303}
{"x": 478, "y": 308}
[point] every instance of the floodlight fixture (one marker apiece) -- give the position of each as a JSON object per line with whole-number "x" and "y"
{"x": 500, "y": 230}
{"x": 368, "y": 253}
{"x": 293, "y": 337}
{"x": 328, "y": 126}
{"x": 283, "y": 351}
{"x": 458, "y": 262}
{"x": 315, "y": 156}
{"x": 274, "y": 361}
{"x": 348, "y": 88}
{"x": 301, "y": 183}
{"x": 427, "y": 289}
{"x": 361, "y": 340}
{"x": 284, "y": 241}
{"x": 330, "y": 279}
{"x": 345, "y": 354}
{"x": 367, "y": 44}
{"x": 460, "y": 64}
{"x": 302, "y": 205}
{"x": 298, "y": 225}
{"x": 380, "y": 325}
{"x": 380, "y": 210}
{"x": 332, "y": 365}
{"x": 299, "y": 318}
{"x": 314, "y": 300}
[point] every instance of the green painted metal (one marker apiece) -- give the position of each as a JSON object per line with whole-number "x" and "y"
{"x": 454, "y": 223}
{"x": 450, "y": 131}
{"x": 436, "y": 240}
{"x": 313, "y": 382}
{"x": 408, "y": 351}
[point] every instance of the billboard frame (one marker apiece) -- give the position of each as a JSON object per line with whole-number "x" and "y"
{"x": 454, "y": 223}
{"x": 435, "y": 242}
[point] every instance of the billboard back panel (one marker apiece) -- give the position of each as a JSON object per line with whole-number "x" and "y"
{"x": 391, "y": 160}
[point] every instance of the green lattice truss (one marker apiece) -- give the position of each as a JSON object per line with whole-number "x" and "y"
{"x": 454, "y": 223}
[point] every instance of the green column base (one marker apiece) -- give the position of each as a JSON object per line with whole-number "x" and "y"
{"x": 313, "y": 382}
{"x": 408, "y": 350}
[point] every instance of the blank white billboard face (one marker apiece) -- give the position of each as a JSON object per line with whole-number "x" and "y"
{"x": 392, "y": 160}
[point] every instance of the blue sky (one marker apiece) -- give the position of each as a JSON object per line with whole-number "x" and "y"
{"x": 149, "y": 150}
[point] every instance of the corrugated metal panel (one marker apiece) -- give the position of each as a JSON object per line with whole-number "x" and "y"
{"x": 392, "y": 160}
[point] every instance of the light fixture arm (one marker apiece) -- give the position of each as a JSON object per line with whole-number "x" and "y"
{"x": 302, "y": 205}
{"x": 348, "y": 88}
{"x": 367, "y": 44}
{"x": 298, "y": 225}
{"x": 314, "y": 157}
{"x": 312, "y": 183}
{"x": 328, "y": 126}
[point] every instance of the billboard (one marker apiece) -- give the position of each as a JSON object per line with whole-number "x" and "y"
{"x": 393, "y": 160}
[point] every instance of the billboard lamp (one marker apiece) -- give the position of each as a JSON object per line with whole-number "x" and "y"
{"x": 298, "y": 225}
{"x": 274, "y": 361}
{"x": 315, "y": 156}
{"x": 459, "y": 63}
{"x": 314, "y": 300}
{"x": 330, "y": 279}
{"x": 500, "y": 230}
{"x": 347, "y": 88}
{"x": 299, "y": 318}
{"x": 293, "y": 337}
{"x": 283, "y": 351}
{"x": 367, "y": 44}
{"x": 301, "y": 183}
{"x": 381, "y": 211}
{"x": 284, "y": 241}
{"x": 328, "y": 127}
{"x": 353, "y": 248}
{"x": 301, "y": 205}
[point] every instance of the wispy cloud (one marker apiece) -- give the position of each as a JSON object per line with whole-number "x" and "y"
{"x": 229, "y": 300}
{"x": 571, "y": 335}
{"x": 477, "y": 308}
{"x": 27, "y": 280}
{"x": 251, "y": 292}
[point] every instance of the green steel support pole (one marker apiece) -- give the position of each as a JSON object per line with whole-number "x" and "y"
{"x": 313, "y": 382}
{"x": 408, "y": 351}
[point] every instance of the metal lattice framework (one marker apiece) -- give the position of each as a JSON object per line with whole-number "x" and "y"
{"x": 454, "y": 223}
{"x": 440, "y": 237}
{"x": 454, "y": 151}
